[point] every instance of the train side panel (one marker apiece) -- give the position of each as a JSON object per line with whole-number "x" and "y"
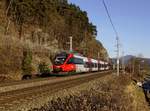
{"x": 80, "y": 63}
{"x": 94, "y": 65}
{"x": 68, "y": 62}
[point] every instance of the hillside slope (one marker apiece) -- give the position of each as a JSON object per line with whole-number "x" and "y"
{"x": 32, "y": 32}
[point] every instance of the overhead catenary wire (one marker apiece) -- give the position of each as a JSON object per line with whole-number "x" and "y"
{"x": 113, "y": 26}
{"x": 116, "y": 33}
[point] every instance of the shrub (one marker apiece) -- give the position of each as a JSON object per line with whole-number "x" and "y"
{"x": 43, "y": 68}
{"x": 26, "y": 62}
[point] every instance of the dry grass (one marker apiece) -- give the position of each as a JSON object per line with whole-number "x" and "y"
{"x": 138, "y": 96}
{"x": 11, "y": 54}
{"x": 110, "y": 94}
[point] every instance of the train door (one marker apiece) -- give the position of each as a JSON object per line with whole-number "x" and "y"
{"x": 90, "y": 65}
{"x": 86, "y": 64}
{"x": 80, "y": 68}
{"x": 79, "y": 64}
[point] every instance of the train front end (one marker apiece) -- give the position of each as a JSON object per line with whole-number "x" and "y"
{"x": 61, "y": 64}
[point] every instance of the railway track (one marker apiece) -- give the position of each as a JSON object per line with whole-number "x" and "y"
{"x": 14, "y": 100}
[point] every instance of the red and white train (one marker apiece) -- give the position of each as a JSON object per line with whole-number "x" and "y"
{"x": 69, "y": 62}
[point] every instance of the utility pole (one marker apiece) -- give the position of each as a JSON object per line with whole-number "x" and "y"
{"x": 133, "y": 66}
{"x": 118, "y": 63}
{"x": 123, "y": 66}
{"x": 116, "y": 33}
{"x": 71, "y": 44}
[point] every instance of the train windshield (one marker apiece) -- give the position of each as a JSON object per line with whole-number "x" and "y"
{"x": 60, "y": 59}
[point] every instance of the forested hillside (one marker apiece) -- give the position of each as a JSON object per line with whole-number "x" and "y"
{"x": 33, "y": 30}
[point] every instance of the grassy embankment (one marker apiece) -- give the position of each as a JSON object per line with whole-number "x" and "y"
{"x": 109, "y": 93}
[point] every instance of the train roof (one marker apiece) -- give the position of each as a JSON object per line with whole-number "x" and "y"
{"x": 78, "y": 55}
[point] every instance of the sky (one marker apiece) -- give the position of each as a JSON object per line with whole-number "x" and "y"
{"x": 132, "y": 22}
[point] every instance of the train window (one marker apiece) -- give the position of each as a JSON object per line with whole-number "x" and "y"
{"x": 86, "y": 64}
{"x": 75, "y": 61}
{"x": 95, "y": 65}
{"x": 78, "y": 61}
{"x": 102, "y": 65}
{"x": 60, "y": 58}
{"x": 92, "y": 64}
{"x": 99, "y": 65}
